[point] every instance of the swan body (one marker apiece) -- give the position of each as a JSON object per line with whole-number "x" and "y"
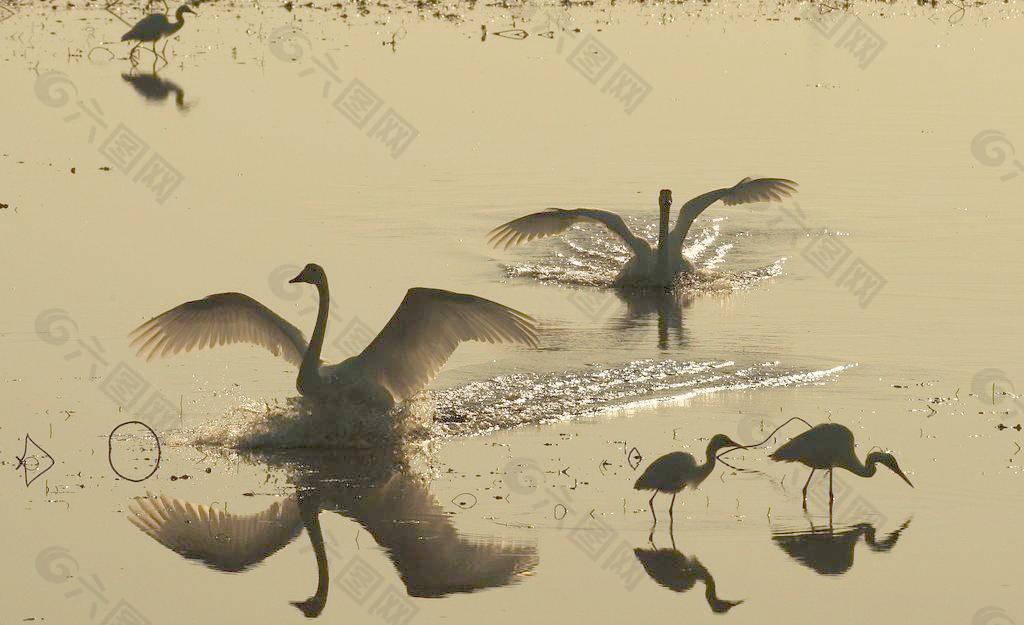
{"x": 828, "y": 446}
{"x": 404, "y": 357}
{"x": 647, "y": 267}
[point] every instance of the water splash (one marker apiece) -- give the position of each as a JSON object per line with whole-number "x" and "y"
{"x": 500, "y": 403}
{"x": 588, "y": 257}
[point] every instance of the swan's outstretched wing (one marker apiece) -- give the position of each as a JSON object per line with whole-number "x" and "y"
{"x": 219, "y": 320}
{"x": 556, "y": 220}
{"x": 425, "y": 330}
{"x": 224, "y": 541}
{"x": 743, "y": 192}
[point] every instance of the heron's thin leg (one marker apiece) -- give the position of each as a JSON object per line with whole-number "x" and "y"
{"x": 806, "y": 484}
{"x": 671, "y": 513}
{"x": 654, "y": 516}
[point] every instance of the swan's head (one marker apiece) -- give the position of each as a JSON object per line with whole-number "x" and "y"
{"x": 665, "y": 198}
{"x": 310, "y": 274}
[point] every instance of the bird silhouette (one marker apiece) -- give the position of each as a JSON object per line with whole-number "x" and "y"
{"x": 830, "y": 445}
{"x": 404, "y": 357}
{"x": 677, "y": 572}
{"x": 647, "y": 267}
{"x": 155, "y": 27}
{"x": 395, "y": 506}
{"x": 675, "y": 471}
{"x": 830, "y": 551}
{"x": 155, "y": 88}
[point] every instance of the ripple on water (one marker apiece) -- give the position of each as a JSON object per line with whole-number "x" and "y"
{"x": 500, "y": 403}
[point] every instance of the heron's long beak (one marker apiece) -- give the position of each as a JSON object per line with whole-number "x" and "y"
{"x": 900, "y": 473}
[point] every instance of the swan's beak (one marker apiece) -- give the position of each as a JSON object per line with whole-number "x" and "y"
{"x": 297, "y": 278}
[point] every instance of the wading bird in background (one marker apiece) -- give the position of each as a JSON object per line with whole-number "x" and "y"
{"x": 407, "y": 354}
{"x": 155, "y": 27}
{"x": 675, "y": 471}
{"x": 830, "y": 445}
{"x": 646, "y": 268}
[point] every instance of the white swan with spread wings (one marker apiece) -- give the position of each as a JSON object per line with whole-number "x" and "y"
{"x": 406, "y": 356}
{"x": 647, "y": 266}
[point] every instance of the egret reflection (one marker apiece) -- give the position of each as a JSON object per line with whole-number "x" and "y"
{"x": 155, "y": 88}
{"x": 828, "y": 550}
{"x": 678, "y": 572}
{"x": 371, "y": 487}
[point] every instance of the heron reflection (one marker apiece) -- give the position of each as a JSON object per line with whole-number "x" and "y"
{"x": 154, "y": 88}
{"x": 828, "y": 550}
{"x": 678, "y": 572}
{"x": 393, "y": 505}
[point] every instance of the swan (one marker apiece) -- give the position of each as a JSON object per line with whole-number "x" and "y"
{"x": 404, "y": 357}
{"x": 647, "y": 267}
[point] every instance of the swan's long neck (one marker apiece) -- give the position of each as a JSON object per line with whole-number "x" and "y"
{"x": 663, "y": 251}
{"x": 309, "y": 372}
{"x": 311, "y": 519}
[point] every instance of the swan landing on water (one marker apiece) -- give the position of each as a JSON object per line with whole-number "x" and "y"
{"x": 407, "y": 354}
{"x": 660, "y": 266}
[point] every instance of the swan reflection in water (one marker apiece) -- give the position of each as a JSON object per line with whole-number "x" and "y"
{"x": 678, "y": 572}
{"x": 666, "y": 304}
{"x": 829, "y": 551}
{"x": 155, "y": 88}
{"x": 394, "y": 506}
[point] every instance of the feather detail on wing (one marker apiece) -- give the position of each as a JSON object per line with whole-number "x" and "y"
{"x": 759, "y": 190}
{"x": 557, "y": 220}
{"x": 224, "y": 541}
{"x": 215, "y": 320}
{"x": 427, "y": 327}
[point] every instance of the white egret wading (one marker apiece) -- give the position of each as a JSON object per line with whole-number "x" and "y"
{"x": 675, "y": 471}
{"x": 830, "y": 445}
{"x": 155, "y": 27}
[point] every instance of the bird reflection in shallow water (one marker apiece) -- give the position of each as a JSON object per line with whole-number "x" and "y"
{"x": 678, "y": 572}
{"x": 370, "y": 487}
{"x": 666, "y": 304}
{"x": 829, "y": 551}
{"x": 155, "y": 88}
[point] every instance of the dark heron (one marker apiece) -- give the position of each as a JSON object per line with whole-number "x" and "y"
{"x": 155, "y": 27}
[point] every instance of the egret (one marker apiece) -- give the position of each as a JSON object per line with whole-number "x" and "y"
{"x": 675, "y": 471}
{"x": 404, "y": 357}
{"x": 155, "y": 27}
{"x": 830, "y": 445}
{"x": 646, "y": 267}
